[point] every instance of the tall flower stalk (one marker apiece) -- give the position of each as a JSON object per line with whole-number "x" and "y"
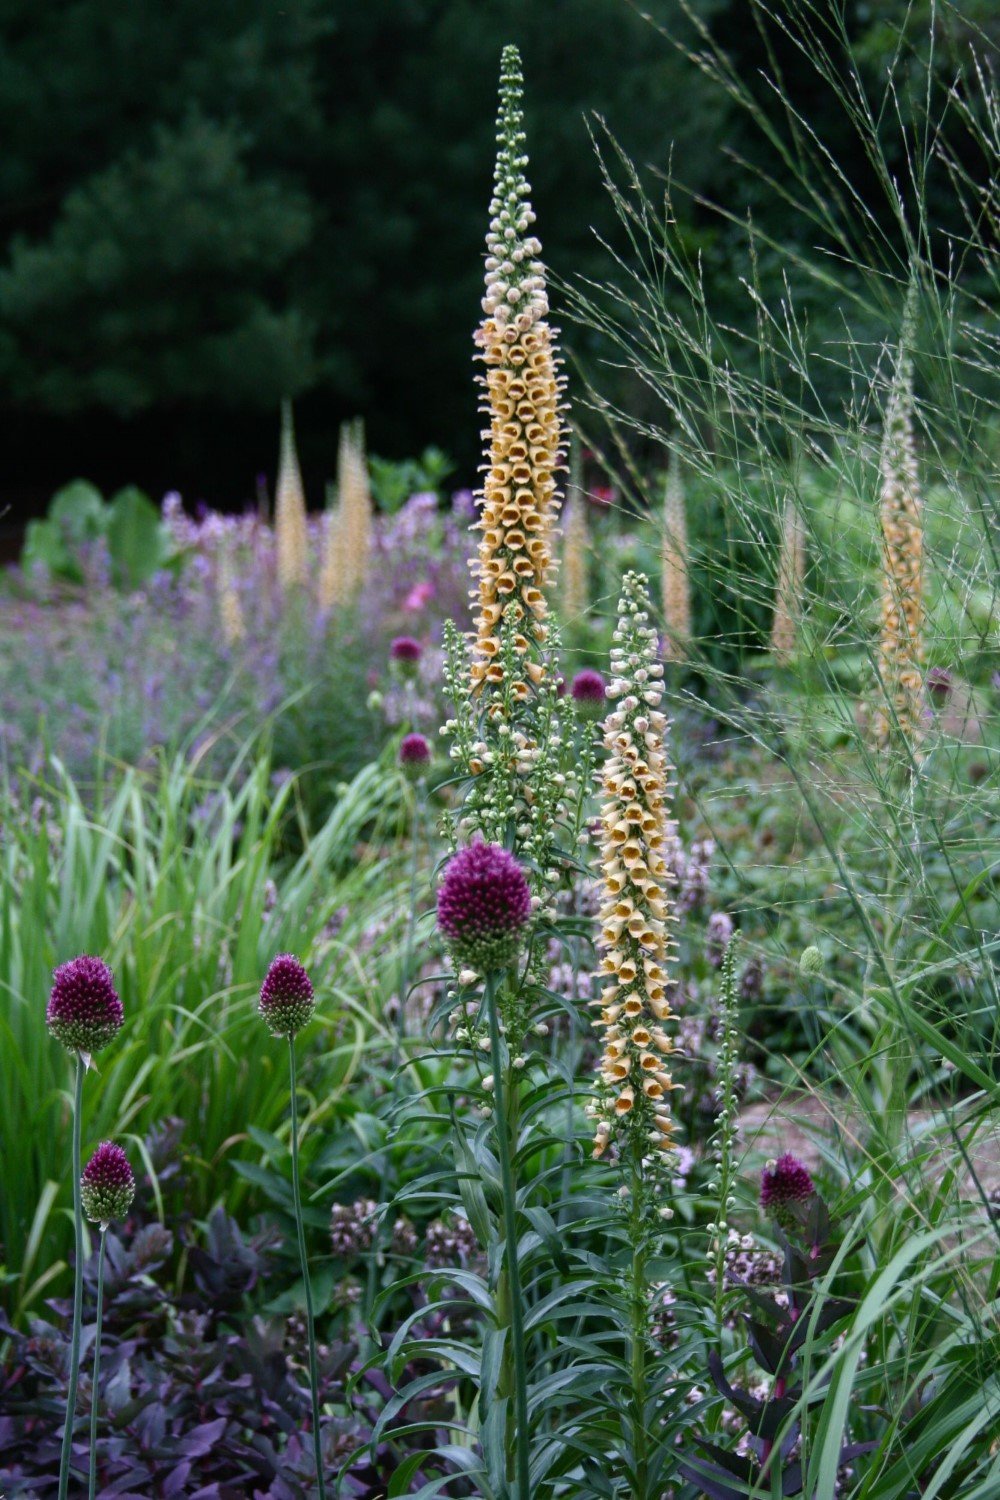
{"x": 347, "y": 537}
{"x": 107, "y": 1188}
{"x": 84, "y": 1014}
{"x": 231, "y": 617}
{"x": 675, "y": 583}
{"x": 574, "y": 589}
{"x": 790, "y": 583}
{"x": 286, "y": 1004}
{"x": 631, "y": 1109}
{"x": 522, "y": 403}
{"x": 290, "y": 520}
{"x": 900, "y": 647}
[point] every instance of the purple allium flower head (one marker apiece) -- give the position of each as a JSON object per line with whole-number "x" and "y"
{"x": 414, "y": 754}
{"x": 84, "y": 1012}
{"x": 107, "y": 1186}
{"x": 588, "y": 692}
{"x": 483, "y": 906}
{"x": 784, "y": 1183}
{"x": 287, "y": 1000}
{"x": 405, "y": 653}
{"x": 939, "y": 683}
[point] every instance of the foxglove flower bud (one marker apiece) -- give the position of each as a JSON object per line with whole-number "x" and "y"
{"x": 286, "y": 996}
{"x": 84, "y": 1012}
{"x": 107, "y": 1186}
{"x": 483, "y": 907}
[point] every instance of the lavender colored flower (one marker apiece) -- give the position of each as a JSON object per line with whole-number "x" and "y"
{"x": 588, "y": 692}
{"x": 718, "y": 936}
{"x": 449, "y": 1243}
{"x": 84, "y": 1012}
{"x": 352, "y": 1227}
{"x": 483, "y": 906}
{"x": 107, "y": 1186}
{"x": 784, "y": 1182}
{"x": 414, "y": 754}
{"x": 287, "y": 1000}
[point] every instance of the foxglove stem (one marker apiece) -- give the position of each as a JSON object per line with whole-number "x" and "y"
{"x": 94, "y": 1384}
{"x": 638, "y": 1329}
{"x": 74, "y": 1356}
{"x": 505, "y": 1116}
{"x": 304, "y": 1263}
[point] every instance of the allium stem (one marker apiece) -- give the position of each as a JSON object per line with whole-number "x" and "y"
{"x": 304, "y": 1263}
{"x": 94, "y": 1384}
{"x": 74, "y": 1355}
{"x": 518, "y": 1446}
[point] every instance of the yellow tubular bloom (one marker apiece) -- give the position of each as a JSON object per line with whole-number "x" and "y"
{"x": 333, "y": 588}
{"x": 791, "y": 580}
{"x": 635, "y": 943}
{"x": 900, "y": 649}
{"x": 675, "y": 580}
{"x": 522, "y": 390}
{"x": 355, "y": 504}
{"x": 290, "y": 528}
{"x": 234, "y": 627}
{"x": 575, "y": 593}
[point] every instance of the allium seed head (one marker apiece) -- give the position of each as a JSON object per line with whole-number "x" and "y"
{"x": 483, "y": 907}
{"x": 785, "y": 1182}
{"x": 107, "y": 1186}
{"x": 84, "y": 1012}
{"x": 286, "y": 996}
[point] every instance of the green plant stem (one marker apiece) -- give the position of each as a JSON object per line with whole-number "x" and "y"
{"x": 505, "y": 1114}
{"x": 638, "y": 1332}
{"x": 94, "y": 1384}
{"x": 304, "y": 1263}
{"x": 74, "y": 1355}
{"x": 416, "y": 839}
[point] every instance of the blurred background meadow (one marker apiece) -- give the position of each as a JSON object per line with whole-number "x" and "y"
{"x": 241, "y": 259}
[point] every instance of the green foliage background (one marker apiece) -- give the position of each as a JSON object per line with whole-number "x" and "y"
{"x": 204, "y": 209}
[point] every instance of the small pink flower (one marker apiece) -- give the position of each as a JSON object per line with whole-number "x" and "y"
{"x": 420, "y": 595}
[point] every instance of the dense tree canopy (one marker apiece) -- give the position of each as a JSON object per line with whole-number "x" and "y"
{"x": 205, "y": 208}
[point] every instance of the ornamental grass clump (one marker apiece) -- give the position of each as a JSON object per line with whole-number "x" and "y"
{"x": 574, "y": 583}
{"x": 107, "y": 1188}
{"x": 287, "y": 1002}
{"x": 291, "y": 532}
{"x": 522, "y": 402}
{"x": 790, "y": 583}
{"x": 899, "y": 711}
{"x": 84, "y": 1015}
{"x": 675, "y": 582}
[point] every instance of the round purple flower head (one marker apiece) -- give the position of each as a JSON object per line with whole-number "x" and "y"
{"x": 84, "y": 1012}
{"x": 483, "y": 906}
{"x": 286, "y": 996}
{"x": 414, "y": 754}
{"x": 405, "y": 653}
{"x": 783, "y": 1183}
{"x": 107, "y": 1186}
{"x": 588, "y": 686}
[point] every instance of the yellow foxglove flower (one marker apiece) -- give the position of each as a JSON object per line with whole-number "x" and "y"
{"x": 522, "y": 402}
{"x": 234, "y": 628}
{"x": 290, "y": 527}
{"x": 675, "y": 580}
{"x": 632, "y": 1107}
{"x": 355, "y": 505}
{"x": 790, "y": 584}
{"x": 900, "y": 647}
